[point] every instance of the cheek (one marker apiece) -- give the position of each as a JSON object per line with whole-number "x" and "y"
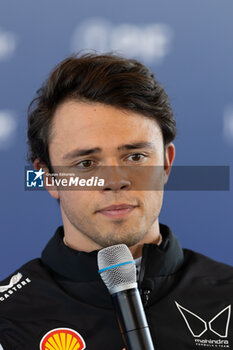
{"x": 76, "y": 201}
{"x": 153, "y": 202}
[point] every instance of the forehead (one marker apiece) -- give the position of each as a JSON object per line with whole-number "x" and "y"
{"x": 79, "y": 124}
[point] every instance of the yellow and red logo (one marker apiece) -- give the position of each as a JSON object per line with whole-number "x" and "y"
{"x": 62, "y": 339}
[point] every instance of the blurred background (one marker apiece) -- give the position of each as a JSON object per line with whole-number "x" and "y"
{"x": 189, "y": 47}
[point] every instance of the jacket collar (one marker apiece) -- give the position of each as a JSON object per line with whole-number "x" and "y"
{"x": 80, "y": 266}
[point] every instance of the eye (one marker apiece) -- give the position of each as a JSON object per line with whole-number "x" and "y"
{"x": 85, "y": 164}
{"x": 136, "y": 157}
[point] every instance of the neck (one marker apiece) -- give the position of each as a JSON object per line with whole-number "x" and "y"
{"x": 137, "y": 249}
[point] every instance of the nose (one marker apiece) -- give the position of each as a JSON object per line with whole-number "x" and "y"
{"x": 116, "y": 179}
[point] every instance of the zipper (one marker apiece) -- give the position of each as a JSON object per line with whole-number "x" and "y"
{"x": 145, "y": 296}
{"x": 144, "y": 292}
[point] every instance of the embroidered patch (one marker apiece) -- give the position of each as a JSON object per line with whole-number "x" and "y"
{"x": 62, "y": 339}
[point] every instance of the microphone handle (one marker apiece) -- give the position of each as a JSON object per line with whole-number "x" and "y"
{"x": 132, "y": 320}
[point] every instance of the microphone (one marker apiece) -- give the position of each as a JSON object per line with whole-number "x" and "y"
{"x": 118, "y": 271}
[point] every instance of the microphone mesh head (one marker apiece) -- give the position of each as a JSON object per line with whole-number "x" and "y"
{"x": 120, "y": 277}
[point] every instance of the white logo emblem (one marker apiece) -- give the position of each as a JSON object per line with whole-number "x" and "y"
{"x": 14, "y": 280}
{"x": 202, "y": 326}
{"x": 35, "y": 178}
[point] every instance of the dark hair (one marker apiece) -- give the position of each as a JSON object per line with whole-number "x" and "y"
{"x": 109, "y": 79}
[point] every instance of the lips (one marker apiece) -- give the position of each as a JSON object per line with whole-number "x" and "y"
{"x": 117, "y": 211}
{"x": 119, "y": 207}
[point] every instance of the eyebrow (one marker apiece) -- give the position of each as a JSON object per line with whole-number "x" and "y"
{"x": 89, "y": 151}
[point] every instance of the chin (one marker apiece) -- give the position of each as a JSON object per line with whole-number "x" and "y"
{"x": 130, "y": 241}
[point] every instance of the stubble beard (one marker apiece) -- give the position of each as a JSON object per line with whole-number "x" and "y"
{"x": 120, "y": 232}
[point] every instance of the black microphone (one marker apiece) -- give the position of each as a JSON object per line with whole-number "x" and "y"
{"x": 118, "y": 271}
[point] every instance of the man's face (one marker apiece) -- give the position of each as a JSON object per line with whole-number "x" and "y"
{"x": 106, "y": 131}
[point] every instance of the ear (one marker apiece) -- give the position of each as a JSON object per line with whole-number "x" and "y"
{"x": 168, "y": 160}
{"x": 53, "y": 189}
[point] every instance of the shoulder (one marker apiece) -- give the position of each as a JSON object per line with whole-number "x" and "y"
{"x": 23, "y": 296}
{"x": 23, "y": 282}
{"x": 203, "y": 266}
{"x": 31, "y": 268}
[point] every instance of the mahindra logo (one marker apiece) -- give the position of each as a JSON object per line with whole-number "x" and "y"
{"x": 219, "y": 324}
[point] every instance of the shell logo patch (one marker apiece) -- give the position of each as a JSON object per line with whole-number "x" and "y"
{"x": 62, "y": 339}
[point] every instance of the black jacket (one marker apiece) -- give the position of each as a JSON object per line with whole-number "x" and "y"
{"x": 60, "y": 302}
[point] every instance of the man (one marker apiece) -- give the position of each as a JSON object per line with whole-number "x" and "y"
{"x": 105, "y": 111}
